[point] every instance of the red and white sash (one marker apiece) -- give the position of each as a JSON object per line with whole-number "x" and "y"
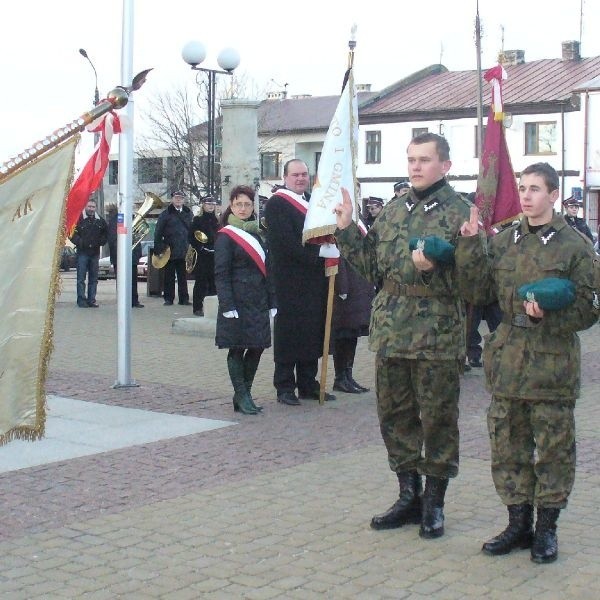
{"x": 249, "y": 244}
{"x": 296, "y": 200}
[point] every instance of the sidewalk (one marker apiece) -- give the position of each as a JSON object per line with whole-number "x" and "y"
{"x": 271, "y": 506}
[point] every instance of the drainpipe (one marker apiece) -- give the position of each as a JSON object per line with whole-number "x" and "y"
{"x": 585, "y": 153}
{"x": 562, "y": 152}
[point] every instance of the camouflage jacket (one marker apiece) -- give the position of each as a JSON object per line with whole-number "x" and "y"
{"x": 540, "y": 361}
{"x": 408, "y": 323}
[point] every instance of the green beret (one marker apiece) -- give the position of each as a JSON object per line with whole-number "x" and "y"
{"x": 434, "y": 248}
{"x": 551, "y": 293}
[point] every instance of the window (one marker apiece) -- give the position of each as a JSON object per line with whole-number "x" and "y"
{"x": 475, "y": 154}
{"x": 317, "y": 160}
{"x": 373, "y": 147}
{"x": 113, "y": 172}
{"x": 150, "y": 170}
{"x": 269, "y": 165}
{"x": 419, "y": 131}
{"x": 540, "y": 138}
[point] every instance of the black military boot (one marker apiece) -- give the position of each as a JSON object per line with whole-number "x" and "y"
{"x": 251, "y": 362}
{"x": 340, "y": 361}
{"x": 545, "y": 542}
{"x": 518, "y": 534}
{"x": 432, "y": 521}
{"x": 241, "y": 398}
{"x": 359, "y": 388}
{"x": 407, "y": 509}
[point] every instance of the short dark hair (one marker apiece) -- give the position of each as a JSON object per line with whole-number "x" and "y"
{"x": 546, "y": 172}
{"x": 286, "y": 165}
{"x": 441, "y": 144}
{"x": 235, "y": 192}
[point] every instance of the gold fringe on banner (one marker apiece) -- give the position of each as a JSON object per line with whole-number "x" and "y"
{"x": 36, "y": 432}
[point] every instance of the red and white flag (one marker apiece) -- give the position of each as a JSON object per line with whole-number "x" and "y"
{"x": 91, "y": 175}
{"x": 497, "y": 197}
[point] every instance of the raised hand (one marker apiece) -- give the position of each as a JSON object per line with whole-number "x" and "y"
{"x": 343, "y": 210}
{"x": 471, "y": 227}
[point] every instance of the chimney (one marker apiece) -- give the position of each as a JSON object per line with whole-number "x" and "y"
{"x": 570, "y": 50}
{"x": 508, "y": 58}
{"x": 363, "y": 87}
{"x": 276, "y": 95}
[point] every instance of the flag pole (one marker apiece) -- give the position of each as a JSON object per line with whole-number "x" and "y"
{"x": 124, "y": 210}
{"x": 479, "y": 88}
{"x": 331, "y": 271}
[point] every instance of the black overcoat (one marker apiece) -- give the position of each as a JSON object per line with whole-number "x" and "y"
{"x": 241, "y": 286}
{"x": 300, "y": 285}
{"x": 355, "y": 311}
{"x": 172, "y": 229}
{"x": 208, "y": 224}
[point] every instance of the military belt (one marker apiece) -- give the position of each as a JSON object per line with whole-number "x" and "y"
{"x": 401, "y": 289}
{"x": 522, "y": 321}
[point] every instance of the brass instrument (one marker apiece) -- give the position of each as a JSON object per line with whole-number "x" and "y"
{"x": 160, "y": 260}
{"x": 191, "y": 256}
{"x": 139, "y": 226}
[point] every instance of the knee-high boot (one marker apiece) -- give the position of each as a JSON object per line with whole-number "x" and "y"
{"x": 251, "y": 362}
{"x": 432, "y": 522}
{"x": 340, "y": 363}
{"x": 350, "y": 366}
{"x": 241, "y": 398}
{"x": 407, "y": 509}
{"x": 545, "y": 542}
{"x": 518, "y": 534}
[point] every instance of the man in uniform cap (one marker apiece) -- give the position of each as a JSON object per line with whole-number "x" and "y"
{"x": 400, "y": 189}
{"x": 572, "y": 206}
{"x": 374, "y": 206}
{"x": 544, "y": 276}
{"x": 172, "y": 228}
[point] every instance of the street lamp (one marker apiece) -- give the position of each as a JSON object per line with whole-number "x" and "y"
{"x": 193, "y": 54}
{"x": 100, "y": 192}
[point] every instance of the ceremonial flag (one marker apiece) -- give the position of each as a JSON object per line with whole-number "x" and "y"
{"x": 32, "y": 202}
{"x": 497, "y": 196}
{"x": 91, "y": 175}
{"x": 337, "y": 168}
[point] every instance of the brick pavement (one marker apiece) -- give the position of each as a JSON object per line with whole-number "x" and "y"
{"x": 276, "y": 506}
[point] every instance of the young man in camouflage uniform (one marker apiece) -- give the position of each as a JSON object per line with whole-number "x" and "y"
{"x": 417, "y": 330}
{"x": 532, "y": 360}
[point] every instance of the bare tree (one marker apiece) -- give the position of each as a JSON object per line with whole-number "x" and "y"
{"x": 169, "y": 121}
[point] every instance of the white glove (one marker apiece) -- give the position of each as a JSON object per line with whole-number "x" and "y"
{"x": 273, "y": 311}
{"x": 329, "y": 251}
{"x": 343, "y": 296}
{"x": 231, "y": 314}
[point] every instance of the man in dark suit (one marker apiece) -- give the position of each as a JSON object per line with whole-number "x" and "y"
{"x": 301, "y": 289}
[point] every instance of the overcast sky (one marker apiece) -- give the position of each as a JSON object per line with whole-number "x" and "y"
{"x": 46, "y": 82}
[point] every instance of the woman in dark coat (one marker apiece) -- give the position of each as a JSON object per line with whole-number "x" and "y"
{"x": 202, "y": 239}
{"x": 246, "y": 297}
{"x": 351, "y": 315}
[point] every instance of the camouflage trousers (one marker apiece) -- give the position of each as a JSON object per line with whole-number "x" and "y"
{"x": 533, "y": 450}
{"x": 417, "y": 405}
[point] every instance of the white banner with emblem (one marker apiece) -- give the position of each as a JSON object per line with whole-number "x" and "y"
{"x": 32, "y": 202}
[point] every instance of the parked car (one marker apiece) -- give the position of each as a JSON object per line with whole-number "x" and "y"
{"x": 142, "y": 267}
{"x": 105, "y": 269}
{"x": 68, "y": 258}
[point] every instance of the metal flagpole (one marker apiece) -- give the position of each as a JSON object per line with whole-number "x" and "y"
{"x": 479, "y": 87}
{"x": 125, "y": 209}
